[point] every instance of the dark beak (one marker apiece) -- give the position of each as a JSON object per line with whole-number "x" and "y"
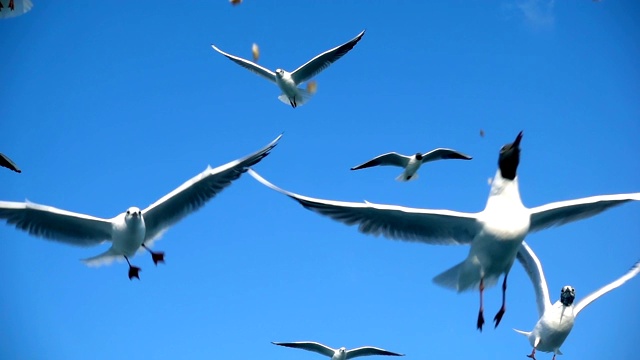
{"x": 517, "y": 142}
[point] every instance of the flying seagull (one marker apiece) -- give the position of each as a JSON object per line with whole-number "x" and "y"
{"x": 12, "y": 8}
{"x": 494, "y": 234}
{"x": 337, "y": 354}
{"x": 6, "y": 162}
{"x": 288, "y": 81}
{"x": 411, "y": 164}
{"x": 135, "y": 228}
{"x": 556, "y": 321}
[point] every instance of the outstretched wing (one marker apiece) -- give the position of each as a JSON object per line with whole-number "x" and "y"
{"x": 392, "y": 158}
{"x": 369, "y": 350}
{"x": 444, "y": 154}
{"x": 309, "y": 346}
{"x": 562, "y": 212}
{"x": 395, "y": 222}
{"x": 6, "y": 162}
{"x": 605, "y": 289}
{"x": 314, "y": 66}
{"x": 532, "y": 266}
{"x": 251, "y": 66}
{"x": 55, "y": 224}
{"x": 194, "y": 193}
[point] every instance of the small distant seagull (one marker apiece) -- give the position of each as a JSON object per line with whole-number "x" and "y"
{"x": 14, "y": 8}
{"x": 481, "y": 133}
{"x": 338, "y": 354}
{"x": 411, "y": 164}
{"x": 6, "y": 162}
{"x": 312, "y": 87}
{"x": 255, "y": 51}
{"x": 288, "y": 82}
{"x": 556, "y": 321}
{"x": 134, "y": 229}
{"x": 235, "y": 2}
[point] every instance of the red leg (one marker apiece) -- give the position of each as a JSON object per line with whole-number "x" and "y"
{"x": 498, "y": 316}
{"x": 155, "y": 256}
{"x": 480, "y": 312}
{"x": 11, "y": 5}
{"x": 133, "y": 270}
{"x": 533, "y": 354}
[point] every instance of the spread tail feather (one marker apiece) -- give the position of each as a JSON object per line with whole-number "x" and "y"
{"x": 105, "y": 258}
{"x": 301, "y": 97}
{"x": 404, "y": 177}
{"x": 464, "y": 276}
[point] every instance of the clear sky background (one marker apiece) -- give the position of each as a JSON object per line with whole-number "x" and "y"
{"x": 106, "y": 105}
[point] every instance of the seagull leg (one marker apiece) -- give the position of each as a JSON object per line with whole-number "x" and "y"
{"x": 498, "y": 316}
{"x": 480, "y": 312}
{"x": 133, "y": 270}
{"x": 533, "y": 354}
{"x": 155, "y": 256}
{"x": 11, "y": 5}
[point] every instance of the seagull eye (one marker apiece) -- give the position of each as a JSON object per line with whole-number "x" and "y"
{"x": 128, "y": 212}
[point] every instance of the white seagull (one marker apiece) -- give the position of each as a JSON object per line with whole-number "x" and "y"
{"x": 411, "y": 164}
{"x": 6, "y": 162}
{"x": 135, "y": 228}
{"x": 556, "y": 321}
{"x": 494, "y": 234}
{"x": 288, "y": 82}
{"x": 338, "y": 354}
{"x": 12, "y": 8}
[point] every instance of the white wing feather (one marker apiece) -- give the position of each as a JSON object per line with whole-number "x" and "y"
{"x": 56, "y": 224}
{"x": 533, "y": 267}
{"x": 194, "y": 193}
{"x": 396, "y": 222}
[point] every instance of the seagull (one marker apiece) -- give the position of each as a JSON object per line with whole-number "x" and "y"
{"x": 6, "y": 162}
{"x": 411, "y": 164}
{"x": 135, "y": 228}
{"x": 494, "y": 234}
{"x": 288, "y": 81}
{"x": 338, "y": 354}
{"x": 14, "y": 8}
{"x": 556, "y": 321}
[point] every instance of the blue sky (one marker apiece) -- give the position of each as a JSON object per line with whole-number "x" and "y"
{"x": 108, "y": 105}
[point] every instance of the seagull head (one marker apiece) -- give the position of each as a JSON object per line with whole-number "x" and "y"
{"x": 510, "y": 158}
{"x": 567, "y": 295}
{"x": 342, "y": 349}
{"x": 279, "y": 73}
{"x": 418, "y": 156}
{"x": 133, "y": 213}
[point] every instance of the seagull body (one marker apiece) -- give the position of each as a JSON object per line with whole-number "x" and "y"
{"x": 135, "y": 228}
{"x": 494, "y": 234}
{"x": 411, "y": 164}
{"x": 6, "y": 162}
{"x": 556, "y": 321}
{"x": 288, "y": 81}
{"x": 338, "y": 354}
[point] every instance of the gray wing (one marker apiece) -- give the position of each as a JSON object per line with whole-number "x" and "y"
{"x": 395, "y": 222}
{"x": 6, "y": 162}
{"x": 605, "y": 289}
{"x": 251, "y": 66}
{"x": 562, "y": 212}
{"x": 194, "y": 193}
{"x": 533, "y": 268}
{"x": 310, "y": 346}
{"x": 444, "y": 154}
{"x": 392, "y": 158}
{"x": 314, "y": 66}
{"x": 55, "y": 224}
{"x": 369, "y": 350}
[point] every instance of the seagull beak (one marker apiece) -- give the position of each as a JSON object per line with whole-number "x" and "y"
{"x": 517, "y": 142}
